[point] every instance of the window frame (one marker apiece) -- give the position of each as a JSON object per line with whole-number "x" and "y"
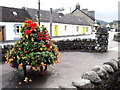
{"x": 15, "y": 28}
{"x": 77, "y": 29}
{"x": 65, "y": 28}
{"x": 87, "y": 29}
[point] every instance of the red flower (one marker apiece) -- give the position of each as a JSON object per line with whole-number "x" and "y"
{"x": 46, "y": 45}
{"x": 39, "y": 34}
{"x": 28, "y": 21}
{"x": 46, "y": 38}
{"x": 27, "y": 31}
{"x": 39, "y": 38}
{"x": 45, "y": 35}
{"x": 33, "y": 28}
{"x": 30, "y": 25}
{"x": 50, "y": 44}
{"x": 34, "y": 24}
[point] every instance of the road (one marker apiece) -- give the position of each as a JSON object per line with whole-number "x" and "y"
{"x": 71, "y": 67}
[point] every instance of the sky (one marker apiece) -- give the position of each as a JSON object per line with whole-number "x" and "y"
{"x": 106, "y": 10}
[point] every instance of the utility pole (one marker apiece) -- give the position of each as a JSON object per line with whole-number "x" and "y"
{"x": 50, "y": 22}
{"x": 39, "y": 12}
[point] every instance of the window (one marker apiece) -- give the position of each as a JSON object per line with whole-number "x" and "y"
{"x": 17, "y": 29}
{"x": 60, "y": 17}
{"x": 65, "y": 28}
{"x": 86, "y": 29}
{"x": 77, "y": 29}
{"x": 14, "y": 13}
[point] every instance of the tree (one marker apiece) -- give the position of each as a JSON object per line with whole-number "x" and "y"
{"x": 98, "y": 23}
{"x": 35, "y": 48}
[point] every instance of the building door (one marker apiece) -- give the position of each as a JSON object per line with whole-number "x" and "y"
{"x": 56, "y": 30}
{"x": 1, "y": 33}
{"x": 83, "y": 30}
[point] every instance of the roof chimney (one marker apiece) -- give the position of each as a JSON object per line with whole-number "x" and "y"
{"x": 77, "y": 6}
{"x": 25, "y": 8}
{"x": 92, "y": 13}
{"x": 85, "y": 10}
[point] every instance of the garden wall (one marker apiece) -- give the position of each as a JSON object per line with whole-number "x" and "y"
{"x": 86, "y": 45}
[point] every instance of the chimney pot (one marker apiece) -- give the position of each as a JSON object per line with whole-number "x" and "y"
{"x": 77, "y": 6}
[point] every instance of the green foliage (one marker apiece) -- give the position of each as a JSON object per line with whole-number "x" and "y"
{"x": 35, "y": 48}
{"x": 98, "y": 23}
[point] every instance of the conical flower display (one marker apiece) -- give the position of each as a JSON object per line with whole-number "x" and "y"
{"x": 35, "y": 48}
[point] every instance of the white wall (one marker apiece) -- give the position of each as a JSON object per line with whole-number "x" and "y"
{"x": 46, "y": 24}
{"x": 89, "y": 30}
{"x": 9, "y": 32}
{"x": 70, "y": 29}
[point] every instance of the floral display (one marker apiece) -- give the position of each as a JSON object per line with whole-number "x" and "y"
{"x": 35, "y": 48}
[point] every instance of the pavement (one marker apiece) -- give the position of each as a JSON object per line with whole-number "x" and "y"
{"x": 71, "y": 67}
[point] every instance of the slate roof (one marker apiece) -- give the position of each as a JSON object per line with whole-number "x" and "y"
{"x": 13, "y": 14}
{"x": 85, "y": 14}
{"x": 57, "y": 17}
{"x": 9, "y": 15}
{"x": 116, "y": 21}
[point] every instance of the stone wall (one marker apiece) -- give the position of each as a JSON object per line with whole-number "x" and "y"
{"x": 86, "y": 45}
{"x": 99, "y": 78}
{"x": 83, "y": 45}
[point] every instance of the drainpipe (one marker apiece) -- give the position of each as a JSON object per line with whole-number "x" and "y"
{"x": 50, "y": 22}
{"x": 39, "y": 12}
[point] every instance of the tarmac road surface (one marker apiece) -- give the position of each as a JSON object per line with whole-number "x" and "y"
{"x": 71, "y": 67}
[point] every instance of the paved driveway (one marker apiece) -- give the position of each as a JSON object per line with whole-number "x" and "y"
{"x": 70, "y": 68}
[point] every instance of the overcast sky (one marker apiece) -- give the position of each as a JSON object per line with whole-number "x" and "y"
{"x": 106, "y": 10}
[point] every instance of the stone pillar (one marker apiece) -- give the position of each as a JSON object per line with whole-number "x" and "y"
{"x": 101, "y": 39}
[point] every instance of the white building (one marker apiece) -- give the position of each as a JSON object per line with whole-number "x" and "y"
{"x": 116, "y": 26}
{"x": 62, "y": 25}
